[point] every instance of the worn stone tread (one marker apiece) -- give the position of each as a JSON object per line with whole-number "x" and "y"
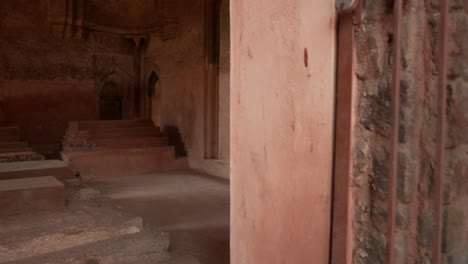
{"x": 31, "y": 165}
{"x": 82, "y": 222}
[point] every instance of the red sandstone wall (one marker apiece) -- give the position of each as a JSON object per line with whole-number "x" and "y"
{"x": 30, "y": 51}
{"x": 47, "y": 79}
{"x": 282, "y": 119}
{"x": 179, "y": 63}
{"x": 124, "y": 13}
{"x": 43, "y": 108}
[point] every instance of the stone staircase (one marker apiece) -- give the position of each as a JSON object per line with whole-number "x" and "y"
{"x": 118, "y": 148}
{"x": 89, "y": 229}
{"x": 13, "y": 149}
{"x": 38, "y": 168}
{"x": 28, "y": 182}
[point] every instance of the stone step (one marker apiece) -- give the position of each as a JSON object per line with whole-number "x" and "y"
{"x": 9, "y": 134}
{"x": 80, "y": 223}
{"x": 50, "y": 150}
{"x": 140, "y": 248}
{"x": 15, "y": 150}
{"x": 125, "y": 130}
{"x": 9, "y": 157}
{"x": 14, "y": 145}
{"x": 19, "y": 196}
{"x": 129, "y": 134}
{"x": 168, "y": 150}
{"x": 141, "y": 142}
{"x": 122, "y": 162}
{"x": 30, "y": 169}
{"x": 110, "y": 124}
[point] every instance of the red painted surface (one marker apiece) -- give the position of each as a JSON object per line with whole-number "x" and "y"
{"x": 343, "y": 205}
{"x": 42, "y": 109}
{"x": 282, "y": 106}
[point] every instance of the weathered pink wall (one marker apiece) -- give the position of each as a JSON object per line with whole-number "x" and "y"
{"x": 42, "y": 108}
{"x": 282, "y": 130}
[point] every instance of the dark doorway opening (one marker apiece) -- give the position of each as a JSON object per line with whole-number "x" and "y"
{"x": 110, "y": 108}
{"x": 110, "y": 102}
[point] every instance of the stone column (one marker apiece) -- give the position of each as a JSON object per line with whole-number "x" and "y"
{"x": 282, "y": 127}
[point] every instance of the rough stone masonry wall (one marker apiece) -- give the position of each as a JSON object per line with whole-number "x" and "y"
{"x": 417, "y": 134}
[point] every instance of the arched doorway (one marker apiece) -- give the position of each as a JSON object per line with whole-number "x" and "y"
{"x": 154, "y": 93}
{"x": 110, "y": 102}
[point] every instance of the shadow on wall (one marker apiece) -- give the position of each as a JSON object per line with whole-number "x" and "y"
{"x": 175, "y": 140}
{"x": 2, "y": 115}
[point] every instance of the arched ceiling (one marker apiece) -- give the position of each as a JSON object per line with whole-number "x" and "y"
{"x": 122, "y": 13}
{"x": 126, "y": 17}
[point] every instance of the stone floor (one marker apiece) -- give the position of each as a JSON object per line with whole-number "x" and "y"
{"x": 192, "y": 207}
{"x": 91, "y": 228}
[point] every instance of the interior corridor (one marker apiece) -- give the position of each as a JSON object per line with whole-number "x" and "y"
{"x": 192, "y": 207}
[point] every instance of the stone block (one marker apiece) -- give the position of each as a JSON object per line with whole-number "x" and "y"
{"x": 121, "y": 162}
{"x": 378, "y": 214}
{"x": 135, "y": 142}
{"x": 370, "y": 247}
{"x": 110, "y": 124}
{"x": 30, "y": 169}
{"x": 425, "y": 227}
{"x": 458, "y": 120}
{"x": 459, "y": 258}
{"x": 380, "y": 170}
{"x": 19, "y": 196}
{"x": 407, "y": 178}
{"x": 454, "y": 232}
{"x": 375, "y": 110}
{"x": 455, "y": 4}
{"x": 403, "y": 216}
{"x": 402, "y": 248}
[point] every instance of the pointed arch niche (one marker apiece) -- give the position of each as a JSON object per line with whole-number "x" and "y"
{"x": 114, "y": 96}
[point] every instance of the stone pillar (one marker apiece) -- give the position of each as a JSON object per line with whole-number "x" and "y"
{"x": 282, "y": 127}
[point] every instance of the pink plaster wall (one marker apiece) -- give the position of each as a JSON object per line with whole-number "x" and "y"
{"x": 43, "y": 108}
{"x": 282, "y": 130}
